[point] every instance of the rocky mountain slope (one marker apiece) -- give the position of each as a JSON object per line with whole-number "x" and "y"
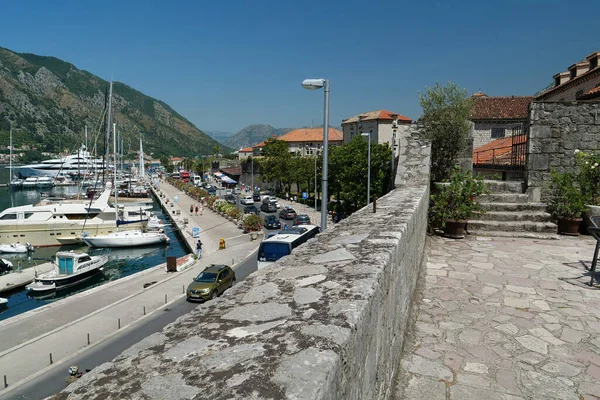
{"x": 49, "y": 101}
{"x": 254, "y": 134}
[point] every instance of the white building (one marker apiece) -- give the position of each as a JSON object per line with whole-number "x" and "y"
{"x": 381, "y": 124}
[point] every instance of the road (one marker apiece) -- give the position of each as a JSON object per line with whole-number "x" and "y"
{"x": 54, "y": 380}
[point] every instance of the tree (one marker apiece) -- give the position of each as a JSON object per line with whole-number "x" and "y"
{"x": 164, "y": 161}
{"x": 217, "y": 149}
{"x": 445, "y": 123}
{"x": 276, "y": 163}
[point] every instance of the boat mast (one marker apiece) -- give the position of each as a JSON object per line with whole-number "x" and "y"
{"x": 115, "y": 174}
{"x": 10, "y": 159}
{"x": 108, "y": 127}
{"x": 142, "y": 171}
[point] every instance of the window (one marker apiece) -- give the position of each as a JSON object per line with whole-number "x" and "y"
{"x": 9, "y": 216}
{"x": 498, "y": 133}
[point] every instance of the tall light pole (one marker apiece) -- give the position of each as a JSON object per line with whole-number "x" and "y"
{"x": 369, "y": 168}
{"x": 313, "y": 84}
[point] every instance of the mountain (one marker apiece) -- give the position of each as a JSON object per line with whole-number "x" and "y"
{"x": 219, "y": 136}
{"x": 254, "y": 134}
{"x": 49, "y": 101}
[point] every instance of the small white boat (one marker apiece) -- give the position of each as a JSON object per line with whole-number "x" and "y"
{"x": 15, "y": 248}
{"x": 3, "y": 302}
{"x": 128, "y": 238}
{"x": 70, "y": 268}
{"x": 63, "y": 180}
{"x": 44, "y": 181}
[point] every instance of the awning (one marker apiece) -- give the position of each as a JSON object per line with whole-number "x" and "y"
{"x": 218, "y": 174}
{"x": 227, "y": 179}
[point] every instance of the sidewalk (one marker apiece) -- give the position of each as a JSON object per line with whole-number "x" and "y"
{"x": 62, "y": 328}
{"x": 505, "y": 319}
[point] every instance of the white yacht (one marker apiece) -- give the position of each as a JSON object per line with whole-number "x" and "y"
{"x": 59, "y": 223}
{"x": 75, "y": 164}
{"x": 37, "y": 182}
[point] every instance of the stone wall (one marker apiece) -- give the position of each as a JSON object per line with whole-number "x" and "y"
{"x": 327, "y": 322}
{"x": 556, "y": 130}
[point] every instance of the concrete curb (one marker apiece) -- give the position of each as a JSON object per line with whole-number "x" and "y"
{"x": 109, "y": 336}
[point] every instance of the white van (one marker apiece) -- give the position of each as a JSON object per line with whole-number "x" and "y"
{"x": 197, "y": 180}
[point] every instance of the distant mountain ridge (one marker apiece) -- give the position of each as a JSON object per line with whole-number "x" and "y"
{"x": 254, "y": 134}
{"x": 48, "y": 101}
{"x": 219, "y": 136}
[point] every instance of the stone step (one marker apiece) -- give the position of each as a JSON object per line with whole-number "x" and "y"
{"x": 513, "y": 206}
{"x": 505, "y": 186}
{"x": 527, "y": 216}
{"x": 503, "y": 198}
{"x": 511, "y": 226}
{"x": 527, "y": 235}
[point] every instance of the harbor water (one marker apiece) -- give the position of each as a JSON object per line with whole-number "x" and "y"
{"x": 122, "y": 262}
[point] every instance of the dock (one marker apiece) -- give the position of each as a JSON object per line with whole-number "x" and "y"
{"x": 17, "y": 280}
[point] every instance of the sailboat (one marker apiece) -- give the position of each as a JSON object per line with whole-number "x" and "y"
{"x": 13, "y": 183}
{"x": 126, "y": 238}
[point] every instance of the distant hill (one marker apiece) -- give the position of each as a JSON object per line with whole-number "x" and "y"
{"x": 254, "y": 134}
{"x": 219, "y": 136}
{"x": 48, "y": 101}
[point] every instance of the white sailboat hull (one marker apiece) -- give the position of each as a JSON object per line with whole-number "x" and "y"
{"x": 130, "y": 238}
{"x": 14, "y": 248}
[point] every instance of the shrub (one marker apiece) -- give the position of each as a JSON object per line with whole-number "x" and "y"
{"x": 252, "y": 223}
{"x": 455, "y": 200}
{"x": 589, "y": 176}
{"x": 567, "y": 199}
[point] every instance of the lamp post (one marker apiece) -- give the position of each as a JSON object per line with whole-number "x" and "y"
{"x": 313, "y": 84}
{"x": 369, "y": 167}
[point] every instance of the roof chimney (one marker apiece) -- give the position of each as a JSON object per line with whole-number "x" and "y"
{"x": 579, "y": 69}
{"x": 593, "y": 59}
{"x": 561, "y": 78}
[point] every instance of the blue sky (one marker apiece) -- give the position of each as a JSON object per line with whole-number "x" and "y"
{"x": 228, "y": 64}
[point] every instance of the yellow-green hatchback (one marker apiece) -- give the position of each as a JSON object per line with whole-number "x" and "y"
{"x": 211, "y": 282}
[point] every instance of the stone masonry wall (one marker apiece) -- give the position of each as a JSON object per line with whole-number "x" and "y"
{"x": 556, "y": 130}
{"x": 327, "y": 322}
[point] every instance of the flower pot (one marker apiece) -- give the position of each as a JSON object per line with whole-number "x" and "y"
{"x": 455, "y": 229}
{"x": 569, "y": 226}
{"x": 587, "y": 222}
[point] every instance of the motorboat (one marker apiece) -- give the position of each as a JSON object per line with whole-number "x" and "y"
{"x": 126, "y": 238}
{"x": 16, "y": 248}
{"x": 6, "y": 266}
{"x": 37, "y": 181}
{"x": 3, "y": 302}
{"x": 56, "y": 223}
{"x": 63, "y": 180}
{"x": 80, "y": 163}
{"x": 69, "y": 268}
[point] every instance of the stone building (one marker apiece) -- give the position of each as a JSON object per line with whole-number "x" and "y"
{"x": 581, "y": 81}
{"x": 496, "y": 117}
{"x": 244, "y": 153}
{"x": 379, "y": 123}
{"x": 307, "y": 141}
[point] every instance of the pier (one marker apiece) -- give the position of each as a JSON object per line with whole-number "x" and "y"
{"x": 18, "y": 280}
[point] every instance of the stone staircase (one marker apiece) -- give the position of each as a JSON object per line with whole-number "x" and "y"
{"x": 509, "y": 214}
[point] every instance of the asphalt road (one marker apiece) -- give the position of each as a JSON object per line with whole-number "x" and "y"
{"x": 54, "y": 380}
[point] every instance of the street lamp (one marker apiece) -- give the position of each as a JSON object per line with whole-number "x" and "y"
{"x": 313, "y": 84}
{"x": 369, "y": 168}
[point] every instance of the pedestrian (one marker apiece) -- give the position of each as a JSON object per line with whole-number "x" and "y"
{"x": 287, "y": 196}
{"x": 285, "y": 227}
{"x": 196, "y": 210}
{"x": 191, "y": 209}
{"x": 199, "y": 249}
{"x": 201, "y": 209}
{"x": 295, "y": 199}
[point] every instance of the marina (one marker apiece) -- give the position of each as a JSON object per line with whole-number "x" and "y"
{"x": 121, "y": 262}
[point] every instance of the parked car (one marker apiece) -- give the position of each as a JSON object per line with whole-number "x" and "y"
{"x": 230, "y": 198}
{"x": 302, "y": 219}
{"x": 247, "y": 201}
{"x": 287, "y": 213}
{"x": 211, "y": 282}
{"x": 251, "y": 210}
{"x": 212, "y": 190}
{"x": 256, "y": 197}
{"x": 272, "y": 222}
{"x": 270, "y": 207}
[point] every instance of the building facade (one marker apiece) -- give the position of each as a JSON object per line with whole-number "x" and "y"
{"x": 381, "y": 124}
{"x": 580, "y": 82}
{"x": 308, "y": 141}
{"x": 496, "y": 117}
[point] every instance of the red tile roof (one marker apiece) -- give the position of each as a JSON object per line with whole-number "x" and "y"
{"x": 378, "y": 115}
{"x": 245, "y": 150}
{"x": 496, "y": 152}
{"x": 591, "y": 94}
{"x": 176, "y": 159}
{"x": 513, "y": 107}
{"x": 311, "y": 135}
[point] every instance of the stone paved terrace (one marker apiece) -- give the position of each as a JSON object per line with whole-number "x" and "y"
{"x": 504, "y": 319}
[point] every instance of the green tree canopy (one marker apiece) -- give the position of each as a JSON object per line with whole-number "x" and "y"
{"x": 445, "y": 123}
{"x": 276, "y": 163}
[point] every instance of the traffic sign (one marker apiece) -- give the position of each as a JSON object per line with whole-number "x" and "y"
{"x": 304, "y": 195}
{"x": 196, "y": 232}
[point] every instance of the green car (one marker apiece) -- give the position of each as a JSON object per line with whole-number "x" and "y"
{"x": 211, "y": 282}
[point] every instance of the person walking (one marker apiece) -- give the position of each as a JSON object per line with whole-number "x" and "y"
{"x": 201, "y": 209}
{"x": 295, "y": 199}
{"x": 199, "y": 249}
{"x": 196, "y": 210}
{"x": 191, "y": 209}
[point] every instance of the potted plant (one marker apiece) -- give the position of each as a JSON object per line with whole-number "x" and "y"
{"x": 567, "y": 203}
{"x": 589, "y": 182}
{"x": 454, "y": 202}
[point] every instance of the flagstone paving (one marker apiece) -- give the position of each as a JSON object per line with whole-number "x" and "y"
{"x": 504, "y": 319}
